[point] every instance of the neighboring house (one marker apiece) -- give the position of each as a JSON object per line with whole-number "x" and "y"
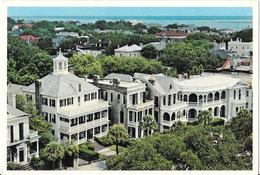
{"x": 22, "y": 143}
{"x": 172, "y": 35}
{"x": 181, "y": 100}
{"x": 19, "y": 26}
{"x": 67, "y": 34}
{"x": 243, "y": 49}
{"x": 130, "y": 51}
{"x": 71, "y": 104}
{"x": 29, "y": 38}
{"x": 128, "y": 101}
{"x": 59, "y": 29}
{"x": 89, "y": 52}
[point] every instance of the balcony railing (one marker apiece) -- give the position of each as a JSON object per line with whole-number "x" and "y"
{"x": 144, "y": 105}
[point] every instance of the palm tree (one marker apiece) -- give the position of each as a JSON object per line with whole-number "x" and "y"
{"x": 71, "y": 150}
{"x": 148, "y": 124}
{"x": 53, "y": 152}
{"x": 204, "y": 117}
{"x": 118, "y": 134}
{"x": 177, "y": 126}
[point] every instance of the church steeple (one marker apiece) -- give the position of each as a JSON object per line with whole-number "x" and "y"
{"x": 60, "y": 64}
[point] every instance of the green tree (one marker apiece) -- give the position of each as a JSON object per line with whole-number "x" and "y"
{"x": 86, "y": 65}
{"x": 71, "y": 150}
{"x": 149, "y": 52}
{"x": 53, "y": 153}
{"x": 101, "y": 24}
{"x": 242, "y": 125}
{"x": 118, "y": 134}
{"x": 204, "y": 117}
{"x": 246, "y": 35}
{"x": 153, "y": 30}
{"x": 148, "y": 124}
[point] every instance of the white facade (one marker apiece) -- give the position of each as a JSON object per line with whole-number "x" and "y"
{"x": 22, "y": 143}
{"x": 129, "y": 51}
{"x": 181, "y": 100}
{"x": 70, "y": 104}
{"x": 242, "y": 48}
{"x": 128, "y": 101}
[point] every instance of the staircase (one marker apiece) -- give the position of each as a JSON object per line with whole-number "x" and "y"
{"x": 27, "y": 166}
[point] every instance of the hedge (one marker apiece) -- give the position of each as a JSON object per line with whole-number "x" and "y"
{"x": 88, "y": 155}
{"x": 104, "y": 140}
{"x": 87, "y": 145}
{"x": 14, "y": 166}
{"x": 217, "y": 122}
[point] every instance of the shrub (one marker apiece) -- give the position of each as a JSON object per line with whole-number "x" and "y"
{"x": 37, "y": 163}
{"x": 104, "y": 140}
{"x": 87, "y": 145}
{"x": 217, "y": 122}
{"x": 88, "y": 155}
{"x": 14, "y": 166}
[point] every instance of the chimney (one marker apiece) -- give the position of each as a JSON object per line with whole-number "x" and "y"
{"x": 71, "y": 69}
{"x": 11, "y": 99}
{"x": 96, "y": 79}
{"x": 151, "y": 80}
{"x": 38, "y": 98}
{"x": 116, "y": 81}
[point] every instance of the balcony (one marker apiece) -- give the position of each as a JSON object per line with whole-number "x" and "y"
{"x": 145, "y": 105}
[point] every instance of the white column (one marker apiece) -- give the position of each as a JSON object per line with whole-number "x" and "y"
{"x": 136, "y": 132}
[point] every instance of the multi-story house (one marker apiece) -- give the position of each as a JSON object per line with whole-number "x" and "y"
{"x": 243, "y": 49}
{"x": 128, "y": 100}
{"x": 129, "y": 51}
{"x": 69, "y": 103}
{"x": 22, "y": 143}
{"x": 176, "y": 99}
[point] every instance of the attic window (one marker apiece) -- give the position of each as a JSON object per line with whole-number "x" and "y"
{"x": 79, "y": 87}
{"x": 170, "y": 86}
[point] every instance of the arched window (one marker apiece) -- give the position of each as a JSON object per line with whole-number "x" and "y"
{"x": 210, "y": 97}
{"x": 173, "y": 116}
{"x": 166, "y": 116}
{"x": 60, "y": 65}
{"x": 216, "y": 96}
{"x": 200, "y": 98}
{"x": 223, "y": 94}
{"x": 216, "y": 111}
{"x": 193, "y": 98}
{"x": 192, "y": 113}
{"x": 222, "y": 111}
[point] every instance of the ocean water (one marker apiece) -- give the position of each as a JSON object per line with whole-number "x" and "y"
{"x": 223, "y": 22}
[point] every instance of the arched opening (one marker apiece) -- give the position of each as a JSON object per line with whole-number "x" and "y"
{"x": 173, "y": 116}
{"x": 216, "y": 96}
{"x": 216, "y": 111}
{"x": 166, "y": 116}
{"x": 185, "y": 98}
{"x": 210, "y": 97}
{"x": 178, "y": 114}
{"x": 193, "y": 98}
{"x": 183, "y": 113}
{"x": 223, "y": 94}
{"x": 200, "y": 99}
{"x": 205, "y": 98}
{"x": 222, "y": 111}
{"x": 192, "y": 113}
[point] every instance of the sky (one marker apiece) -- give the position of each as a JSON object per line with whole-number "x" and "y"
{"x": 129, "y": 11}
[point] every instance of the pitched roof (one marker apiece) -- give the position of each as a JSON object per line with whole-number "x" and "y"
{"x": 122, "y": 77}
{"x": 62, "y": 85}
{"x": 158, "y": 45}
{"x": 29, "y": 37}
{"x": 14, "y": 112}
{"x": 132, "y": 48}
{"x": 14, "y": 88}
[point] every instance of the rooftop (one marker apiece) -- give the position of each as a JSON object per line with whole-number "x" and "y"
{"x": 14, "y": 112}
{"x": 14, "y": 88}
{"x": 132, "y": 48}
{"x": 122, "y": 77}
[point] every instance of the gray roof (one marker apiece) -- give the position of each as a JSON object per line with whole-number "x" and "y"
{"x": 163, "y": 84}
{"x": 221, "y": 53}
{"x": 62, "y": 85}
{"x": 158, "y": 45}
{"x": 122, "y": 77}
{"x": 14, "y": 88}
{"x": 14, "y": 112}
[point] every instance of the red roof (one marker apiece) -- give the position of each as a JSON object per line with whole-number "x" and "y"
{"x": 29, "y": 38}
{"x": 172, "y": 33}
{"x": 226, "y": 65}
{"x": 24, "y": 25}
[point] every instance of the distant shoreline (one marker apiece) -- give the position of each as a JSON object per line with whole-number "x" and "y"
{"x": 223, "y": 22}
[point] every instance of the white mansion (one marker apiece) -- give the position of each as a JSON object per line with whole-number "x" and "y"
{"x": 69, "y": 103}
{"x": 170, "y": 99}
